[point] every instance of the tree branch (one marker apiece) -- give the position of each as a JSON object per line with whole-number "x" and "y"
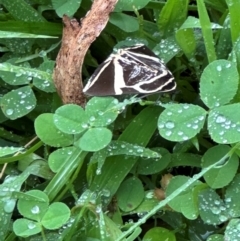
{"x": 76, "y": 40}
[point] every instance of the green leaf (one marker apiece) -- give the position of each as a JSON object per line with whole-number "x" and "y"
{"x": 32, "y": 209}
{"x": 224, "y": 125}
{"x": 180, "y": 122}
{"x": 101, "y": 111}
{"x": 186, "y": 40}
{"x": 109, "y": 178}
{"x": 10, "y": 185}
{"x": 175, "y": 183}
{"x": 192, "y": 22}
{"x": 68, "y": 7}
{"x": 13, "y": 78}
{"x": 5, "y": 151}
{"x": 219, "y": 83}
{"x": 185, "y": 159}
{"x": 155, "y": 233}
{"x": 222, "y": 175}
{"x": 125, "y": 22}
{"x": 70, "y": 119}
{"x": 27, "y": 72}
{"x": 211, "y": 208}
{"x": 233, "y": 7}
{"x": 167, "y": 49}
{"x": 148, "y": 203}
{"x": 24, "y": 228}
{"x": 224, "y": 43}
{"x": 49, "y": 134}
{"x": 65, "y": 173}
{"x": 27, "y": 29}
{"x": 189, "y": 202}
{"x": 23, "y": 11}
{"x": 18, "y": 103}
{"x": 232, "y": 197}
{"x": 206, "y": 31}
{"x": 10, "y": 35}
{"x": 148, "y": 166}
{"x": 45, "y": 85}
{"x": 172, "y": 16}
{"x": 216, "y": 237}
{"x": 95, "y": 139}
{"x": 124, "y": 148}
{"x": 126, "y": 5}
{"x": 58, "y": 158}
{"x": 231, "y": 232}
{"x": 130, "y": 194}
{"x": 57, "y": 214}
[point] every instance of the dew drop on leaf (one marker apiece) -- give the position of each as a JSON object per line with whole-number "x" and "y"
{"x": 168, "y": 133}
{"x": 223, "y": 218}
{"x": 35, "y": 210}
{"x": 9, "y": 205}
{"x": 169, "y": 125}
{"x": 9, "y": 111}
{"x": 220, "y": 119}
{"x": 31, "y": 225}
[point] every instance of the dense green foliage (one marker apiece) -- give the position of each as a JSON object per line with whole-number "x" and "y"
{"x": 123, "y": 168}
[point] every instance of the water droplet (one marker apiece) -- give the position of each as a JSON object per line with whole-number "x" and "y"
{"x": 31, "y": 225}
{"x": 9, "y": 205}
{"x": 220, "y": 119}
{"x": 92, "y": 118}
{"x": 98, "y": 209}
{"x": 98, "y": 171}
{"x": 168, "y": 133}
{"x": 35, "y": 210}
{"x": 215, "y": 210}
{"x": 228, "y": 65}
{"x": 223, "y": 218}
{"x": 169, "y": 125}
{"x": 161, "y": 125}
{"x": 84, "y": 125}
{"x": 9, "y": 111}
{"x": 29, "y": 107}
{"x": 219, "y": 68}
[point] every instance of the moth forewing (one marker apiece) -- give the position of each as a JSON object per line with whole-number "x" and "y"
{"x": 118, "y": 75}
{"x": 132, "y": 70}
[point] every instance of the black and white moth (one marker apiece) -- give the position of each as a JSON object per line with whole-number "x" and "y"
{"x": 132, "y": 70}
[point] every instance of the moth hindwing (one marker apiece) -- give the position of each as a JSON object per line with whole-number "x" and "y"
{"x": 132, "y": 70}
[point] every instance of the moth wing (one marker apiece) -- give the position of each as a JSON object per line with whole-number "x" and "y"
{"x": 144, "y": 73}
{"x": 101, "y": 82}
{"x": 132, "y": 70}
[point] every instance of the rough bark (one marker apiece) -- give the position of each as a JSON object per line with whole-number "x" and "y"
{"x": 77, "y": 38}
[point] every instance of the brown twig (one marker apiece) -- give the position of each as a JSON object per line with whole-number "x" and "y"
{"x": 76, "y": 40}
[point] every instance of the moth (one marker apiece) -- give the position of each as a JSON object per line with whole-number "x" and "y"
{"x": 131, "y": 70}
